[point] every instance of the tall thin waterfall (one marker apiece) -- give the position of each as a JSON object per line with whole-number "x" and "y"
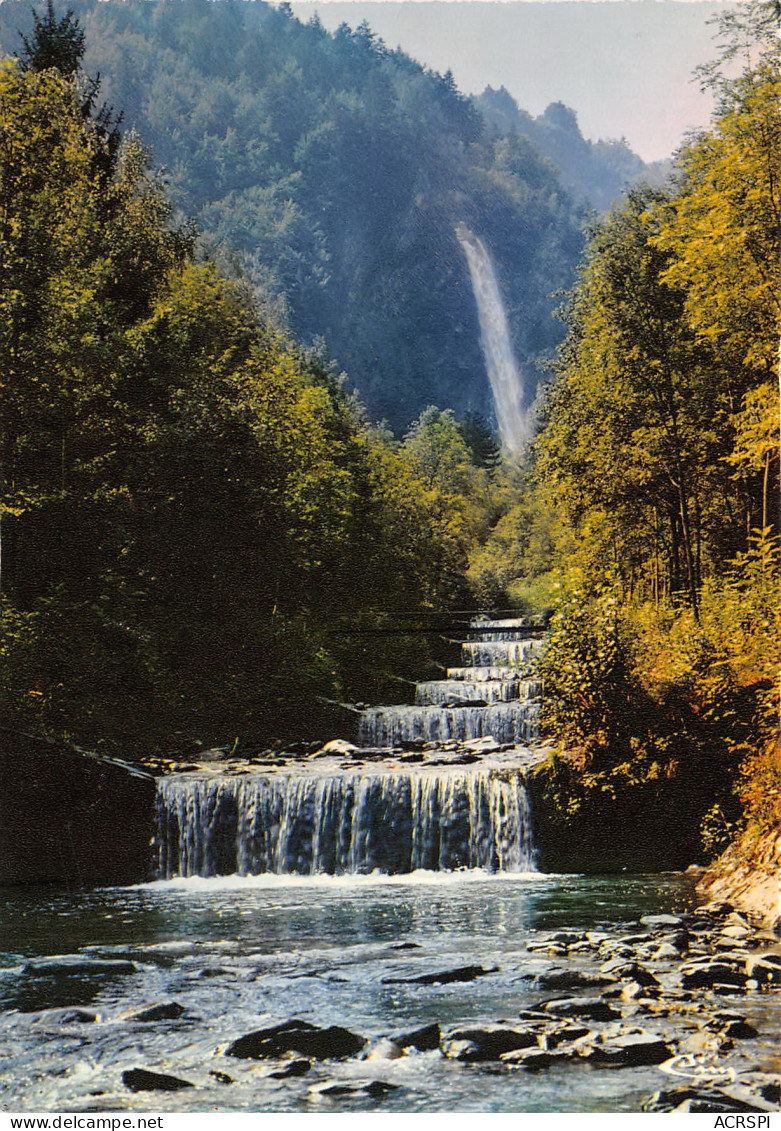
{"x": 503, "y": 373}
{"x": 332, "y": 817}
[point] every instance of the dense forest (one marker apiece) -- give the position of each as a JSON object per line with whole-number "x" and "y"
{"x": 199, "y": 518}
{"x": 334, "y": 171}
{"x": 193, "y": 507}
{"x": 655, "y": 483}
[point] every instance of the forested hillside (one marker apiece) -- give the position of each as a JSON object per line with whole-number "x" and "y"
{"x": 338, "y": 169}
{"x": 194, "y": 513}
{"x": 651, "y": 520}
{"x": 595, "y": 173}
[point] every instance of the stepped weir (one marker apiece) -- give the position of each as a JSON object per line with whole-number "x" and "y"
{"x": 440, "y": 785}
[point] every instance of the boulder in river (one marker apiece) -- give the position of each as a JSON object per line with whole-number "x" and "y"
{"x": 629, "y": 972}
{"x": 656, "y": 921}
{"x": 533, "y": 1059}
{"x": 716, "y": 971}
{"x": 296, "y": 1067}
{"x": 461, "y": 1049}
{"x": 423, "y": 1039}
{"x": 443, "y": 977}
{"x": 494, "y": 1040}
{"x": 68, "y": 1017}
{"x": 142, "y": 1080}
{"x": 79, "y": 967}
{"x": 573, "y": 979}
{"x": 300, "y": 1037}
{"x": 629, "y": 1051}
{"x": 385, "y": 1049}
{"x": 764, "y": 968}
{"x": 352, "y": 1087}
{"x": 336, "y": 746}
{"x": 166, "y": 1011}
{"x": 594, "y": 1008}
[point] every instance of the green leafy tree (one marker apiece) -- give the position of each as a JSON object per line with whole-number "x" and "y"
{"x": 57, "y": 43}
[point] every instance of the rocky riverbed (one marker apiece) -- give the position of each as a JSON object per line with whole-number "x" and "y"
{"x": 663, "y": 1012}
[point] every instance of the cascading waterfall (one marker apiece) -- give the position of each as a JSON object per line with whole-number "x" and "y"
{"x": 443, "y": 713}
{"x": 503, "y": 373}
{"x": 395, "y": 822}
{"x": 309, "y": 820}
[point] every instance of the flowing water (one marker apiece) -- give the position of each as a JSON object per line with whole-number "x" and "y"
{"x": 503, "y": 373}
{"x": 316, "y": 891}
{"x": 238, "y": 953}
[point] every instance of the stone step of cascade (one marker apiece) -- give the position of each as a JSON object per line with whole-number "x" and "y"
{"x": 506, "y": 723}
{"x": 530, "y": 690}
{"x": 440, "y": 692}
{"x": 508, "y": 622}
{"x": 494, "y": 653}
{"x": 495, "y": 630}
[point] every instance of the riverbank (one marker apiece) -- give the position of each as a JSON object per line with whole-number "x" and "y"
{"x": 749, "y": 874}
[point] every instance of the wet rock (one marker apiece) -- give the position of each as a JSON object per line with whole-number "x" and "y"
{"x": 406, "y": 946}
{"x": 351, "y": 1088}
{"x": 546, "y": 948}
{"x": 385, "y": 1049}
{"x": 764, "y": 968}
{"x": 677, "y": 939}
{"x": 142, "y": 1080}
{"x": 711, "y": 973}
{"x": 297, "y": 1036}
{"x": 166, "y": 1011}
{"x": 717, "y": 908}
{"x": 657, "y": 921}
{"x": 423, "y": 1039}
{"x": 629, "y": 971}
{"x": 73, "y": 1017}
{"x": 573, "y": 979}
{"x": 702, "y": 1042}
{"x": 296, "y": 1067}
{"x": 535, "y": 1059}
{"x": 739, "y": 1029}
{"x": 630, "y": 1051}
{"x": 334, "y": 747}
{"x": 634, "y": 991}
{"x": 563, "y": 1034}
{"x": 567, "y": 937}
{"x": 221, "y": 1077}
{"x": 443, "y": 977}
{"x": 463, "y": 1050}
{"x": 593, "y": 1008}
{"x": 753, "y": 1099}
{"x": 494, "y": 1041}
{"x": 90, "y": 967}
{"x": 736, "y": 932}
{"x": 666, "y": 953}
{"x": 485, "y": 745}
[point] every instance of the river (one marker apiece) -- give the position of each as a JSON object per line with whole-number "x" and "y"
{"x": 238, "y": 953}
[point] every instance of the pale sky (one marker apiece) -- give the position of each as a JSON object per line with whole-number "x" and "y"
{"x": 624, "y": 66}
